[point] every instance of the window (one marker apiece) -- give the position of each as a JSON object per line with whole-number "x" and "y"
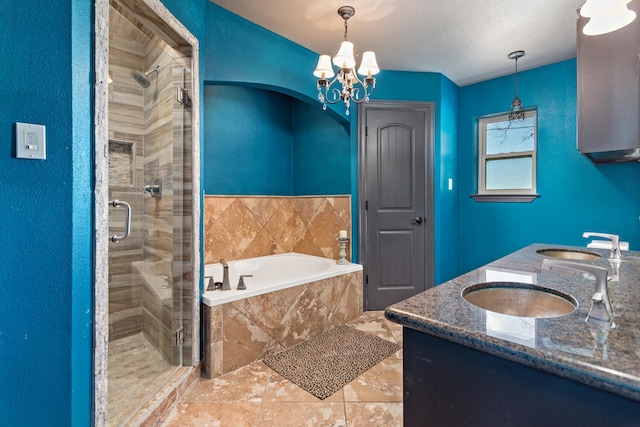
{"x": 507, "y": 158}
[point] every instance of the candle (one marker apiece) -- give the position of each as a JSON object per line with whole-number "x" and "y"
{"x": 342, "y": 233}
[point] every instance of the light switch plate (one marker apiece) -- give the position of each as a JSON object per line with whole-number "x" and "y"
{"x": 31, "y": 141}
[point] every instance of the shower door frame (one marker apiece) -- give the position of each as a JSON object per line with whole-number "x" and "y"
{"x": 101, "y": 192}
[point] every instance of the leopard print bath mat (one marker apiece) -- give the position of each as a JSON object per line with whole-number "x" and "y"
{"x": 326, "y": 363}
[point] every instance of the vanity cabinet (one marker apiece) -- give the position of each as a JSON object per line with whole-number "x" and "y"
{"x": 467, "y": 366}
{"x": 608, "y": 93}
{"x": 447, "y": 384}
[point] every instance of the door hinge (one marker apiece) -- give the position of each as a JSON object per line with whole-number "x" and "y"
{"x": 366, "y": 205}
{"x": 182, "y": 96}
{"x": 366, "y": 279}
{"x": 366, "y": 131}
{"x": 180, "y": 336}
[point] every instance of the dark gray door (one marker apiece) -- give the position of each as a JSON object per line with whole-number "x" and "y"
{"x": 396, "y": 204}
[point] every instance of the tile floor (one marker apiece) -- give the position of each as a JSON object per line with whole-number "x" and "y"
{"x": 136, "y": 370}
{"x": 256, "y": 396}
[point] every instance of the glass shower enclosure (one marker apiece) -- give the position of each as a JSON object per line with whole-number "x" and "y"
{"x": 149, "y": 269}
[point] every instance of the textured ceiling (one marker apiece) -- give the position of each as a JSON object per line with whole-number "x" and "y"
{"x": 466, "y": 40}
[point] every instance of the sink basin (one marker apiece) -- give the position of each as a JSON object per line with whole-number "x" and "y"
{"x": 568, "y": 253}
{"x": 520, "y": 299}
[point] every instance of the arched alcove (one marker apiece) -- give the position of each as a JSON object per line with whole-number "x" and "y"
{"x": 263, "y": 141}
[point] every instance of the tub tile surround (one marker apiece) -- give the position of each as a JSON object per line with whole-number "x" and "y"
{"x": 250, "y": 226}
{"x": 244, "y": 331}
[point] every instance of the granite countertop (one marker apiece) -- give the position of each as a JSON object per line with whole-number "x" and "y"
{"x": 605, "y": 358}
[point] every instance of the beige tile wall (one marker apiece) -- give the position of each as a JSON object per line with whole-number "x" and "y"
{"x": 238, "y": 227}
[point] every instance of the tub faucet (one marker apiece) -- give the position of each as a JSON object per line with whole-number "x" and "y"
{"x": 225, "y": 276}
{"x": 615, "y": 254}
{"x": 241, "y": 285}
{"x": 601, "y": 306}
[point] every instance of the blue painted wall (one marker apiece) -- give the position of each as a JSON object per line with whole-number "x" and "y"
{"x": 575, "y": 195}
{"x": 260, "y": 142}
{"x": 321, "y": 151}
{"x": 46, "y": 280}
{"x": 46, "y": 285}
{"x": 241, "y": 52}
{"x": 446, "y": 203}
{"x": 248, "y": 142}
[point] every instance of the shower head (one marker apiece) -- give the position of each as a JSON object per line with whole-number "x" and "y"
{"x": 141, "y": 78}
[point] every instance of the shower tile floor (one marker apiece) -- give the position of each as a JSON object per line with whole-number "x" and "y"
{"x": 257, "y": 396}
{"x": 135, "y": 369}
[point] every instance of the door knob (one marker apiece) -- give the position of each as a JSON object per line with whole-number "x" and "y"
{"x": 418, "y": 220}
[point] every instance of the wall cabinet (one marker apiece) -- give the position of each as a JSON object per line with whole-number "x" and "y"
{"x": 609, "y": 93}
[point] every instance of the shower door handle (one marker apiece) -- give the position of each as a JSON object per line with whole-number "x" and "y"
{"x": 127, "y": 227}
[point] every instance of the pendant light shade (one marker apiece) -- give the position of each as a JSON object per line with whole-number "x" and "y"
{"x": 606, "y": 16}
{"x": 344, "y": 58}
{"x": 369, "y": 65}
{"x": 324, "y": 70}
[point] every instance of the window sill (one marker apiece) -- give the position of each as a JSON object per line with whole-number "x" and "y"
{"x": 505, "y": 198}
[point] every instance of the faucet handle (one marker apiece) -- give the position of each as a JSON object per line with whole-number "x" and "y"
{"x": 615, "y": 254}
{"x": 601, "y": 305}
{"x": 241, "y": 285}
{"x": 211, "y": 285}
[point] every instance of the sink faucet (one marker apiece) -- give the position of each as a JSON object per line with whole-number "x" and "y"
{"x": 615, "y": 254}
{"x": 225, "y": 276}
{"x": 601, "y": 306}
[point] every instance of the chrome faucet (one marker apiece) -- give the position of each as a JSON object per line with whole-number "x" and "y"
{"x": 615, "y": 254}
{"x": 601, "y": 306}
{"x": 225, "y": 276}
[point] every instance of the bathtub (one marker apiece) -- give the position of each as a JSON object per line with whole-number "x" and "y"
{"x": 271, "y": 273}
{"x": 290, "y": 298}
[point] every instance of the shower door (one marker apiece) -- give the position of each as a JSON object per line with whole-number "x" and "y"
{"x": 147, "y": 270}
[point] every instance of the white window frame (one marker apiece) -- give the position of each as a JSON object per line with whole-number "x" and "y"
{"x": 516, "y": 195}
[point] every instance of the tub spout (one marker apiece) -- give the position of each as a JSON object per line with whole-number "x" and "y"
{"x": 225, "y": 276}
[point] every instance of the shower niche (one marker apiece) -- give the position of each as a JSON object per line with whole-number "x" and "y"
{"x": 150, "y": 290}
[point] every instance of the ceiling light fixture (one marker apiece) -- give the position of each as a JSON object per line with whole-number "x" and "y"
{"x": 516, "y": 112}
{"x": 606, "y": 16}
{"x": 347, "y": 77}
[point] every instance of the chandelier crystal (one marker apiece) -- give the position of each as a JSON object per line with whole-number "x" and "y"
{"x": 516, "y": 112}
{"x": 353, "y": 89}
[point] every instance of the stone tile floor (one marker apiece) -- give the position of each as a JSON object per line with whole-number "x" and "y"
{"x": 136, "y": 370}
{"x": 257, "y": 396}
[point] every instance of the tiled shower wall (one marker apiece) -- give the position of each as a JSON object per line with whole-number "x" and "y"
{"x": 238, "y": 227}
{"x": 126, "y": 136}
{"x": 145, "y": 143}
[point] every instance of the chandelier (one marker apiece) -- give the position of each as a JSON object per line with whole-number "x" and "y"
{"x": 606, "y": 16}
{"x": 353, "y": 88}
{"x": 516, "y": 112}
